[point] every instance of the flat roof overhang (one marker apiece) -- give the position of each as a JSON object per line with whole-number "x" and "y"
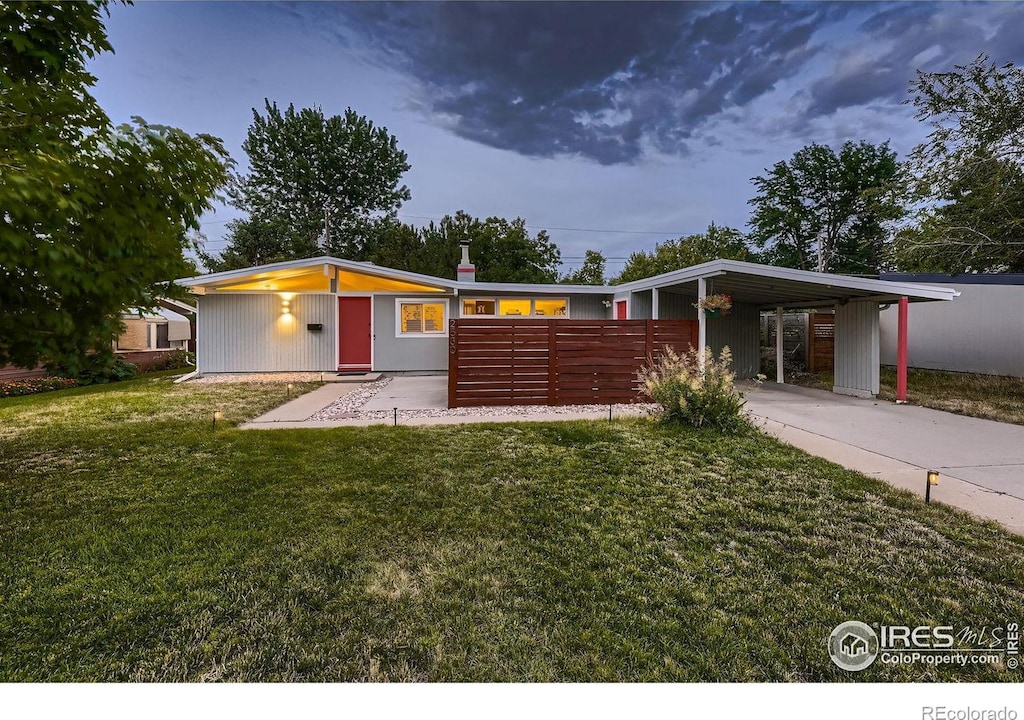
{"x": 768, "y": 286}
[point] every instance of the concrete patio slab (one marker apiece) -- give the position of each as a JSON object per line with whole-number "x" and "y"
{"x": 411, "y": 392}
{"x": 981, "y": 462}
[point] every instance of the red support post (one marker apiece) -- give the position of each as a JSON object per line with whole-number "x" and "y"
{"x": 901, "y": 352}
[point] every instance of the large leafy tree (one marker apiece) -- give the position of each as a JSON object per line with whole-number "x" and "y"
{"x": 591, "y": 272}
{"x": 315, "y": 184}
{"x": 828, "y": 211}
{"x": 969, "y": 172}
{"x": 717, "y": 242}
{"x": 502, "y": 250}
{"x": 96, "y": 218}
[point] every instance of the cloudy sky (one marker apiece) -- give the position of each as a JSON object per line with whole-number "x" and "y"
{"x": 646, "y": 119}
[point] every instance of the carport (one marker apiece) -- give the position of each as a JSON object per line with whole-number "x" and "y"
{"x": 756, "y": 288}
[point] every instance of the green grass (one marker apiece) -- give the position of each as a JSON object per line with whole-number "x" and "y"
{"x": 138, "y": 544}
{"x": 992, "y": 397}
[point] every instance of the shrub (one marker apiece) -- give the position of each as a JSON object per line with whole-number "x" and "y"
{"x": 13, "y": 388}
{"x": 686, "y": 395}
{"x": 174, "y": 360}
{"x": 107, "y": 370}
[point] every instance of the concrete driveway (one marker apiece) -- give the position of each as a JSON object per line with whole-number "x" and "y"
{"x": 981, "y": 462}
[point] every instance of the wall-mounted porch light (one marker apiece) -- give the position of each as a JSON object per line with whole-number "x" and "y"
{"x": 286, "y": 303}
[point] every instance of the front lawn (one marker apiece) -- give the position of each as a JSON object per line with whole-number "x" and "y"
{"x": 139, "y": 544}
{"x": 993, "y": 397}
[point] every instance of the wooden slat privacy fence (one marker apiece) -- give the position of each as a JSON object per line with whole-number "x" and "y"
{"x": 555, "y": 362}
{"x": 821, "y": 333}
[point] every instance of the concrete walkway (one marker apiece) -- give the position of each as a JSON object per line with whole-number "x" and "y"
{"x": 981, "y": 462}
{"x": 302, "y": 407}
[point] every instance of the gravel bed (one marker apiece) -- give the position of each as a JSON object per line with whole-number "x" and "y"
{"x": 348, "y": 405}
{"x": 347, "y": 408}
{"x": 278, "y": 377}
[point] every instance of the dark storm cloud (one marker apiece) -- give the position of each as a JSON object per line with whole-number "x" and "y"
{"x": 595, "y": 79}
{"x": 608, "y": 81}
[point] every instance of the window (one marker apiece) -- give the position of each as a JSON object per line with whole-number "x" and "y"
{"x": 551, "y": 308}
{"x": 477, "y": 307}
{"x": 416, "y": 317}
{"x": 516, "y": 307}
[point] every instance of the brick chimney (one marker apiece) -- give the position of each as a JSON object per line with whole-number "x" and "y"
{"x": 466, "y": 272}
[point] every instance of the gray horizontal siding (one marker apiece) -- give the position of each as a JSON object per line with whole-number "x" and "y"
{"x": 249, "y": 333}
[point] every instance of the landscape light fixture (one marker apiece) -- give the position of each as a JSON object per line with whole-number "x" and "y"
{"x": 290, "y": 387}
{"x": 933, "y": 479}
{"x": 217, "y": 415}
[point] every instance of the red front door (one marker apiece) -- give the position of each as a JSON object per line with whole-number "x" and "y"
{"x": 620, "y": 309}
{"x": 355, "y": 337}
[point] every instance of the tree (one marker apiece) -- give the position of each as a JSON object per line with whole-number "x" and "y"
{"x": 969, "y": 172}
{"x": 980, "y": 228}
{"x": 252, "y": 243}
{"x": 316, "y": 184}
{"x": 716, "y": 243}
{"x": 826, "y": 211}
{"x": 502, "y": 250}
{"x": 96, "y": 218}
{"x": 395, "y": 244}
{"x": 591, "y": 272}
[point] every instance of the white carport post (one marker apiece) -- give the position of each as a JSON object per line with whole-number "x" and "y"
{"x": 654, "y": 304}
{"x": 779, "y": 336}
{"x": 702, "y": 329}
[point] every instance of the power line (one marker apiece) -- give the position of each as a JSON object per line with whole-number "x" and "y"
{"x": 535, "y": 227}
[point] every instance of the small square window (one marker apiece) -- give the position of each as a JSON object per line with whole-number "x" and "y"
{"x": 422, "y": 318}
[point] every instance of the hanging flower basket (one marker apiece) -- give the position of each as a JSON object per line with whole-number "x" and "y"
{"x": 715, "y": 305}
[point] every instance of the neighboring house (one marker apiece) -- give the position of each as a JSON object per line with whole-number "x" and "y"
{"x": 982, "y": 332}
{"x": 328, "y": 314}
{"x": 160, "y": 330}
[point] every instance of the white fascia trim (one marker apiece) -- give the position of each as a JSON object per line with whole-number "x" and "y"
{"x": 719, "y": 267}
{"x": 882, "y": 287}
